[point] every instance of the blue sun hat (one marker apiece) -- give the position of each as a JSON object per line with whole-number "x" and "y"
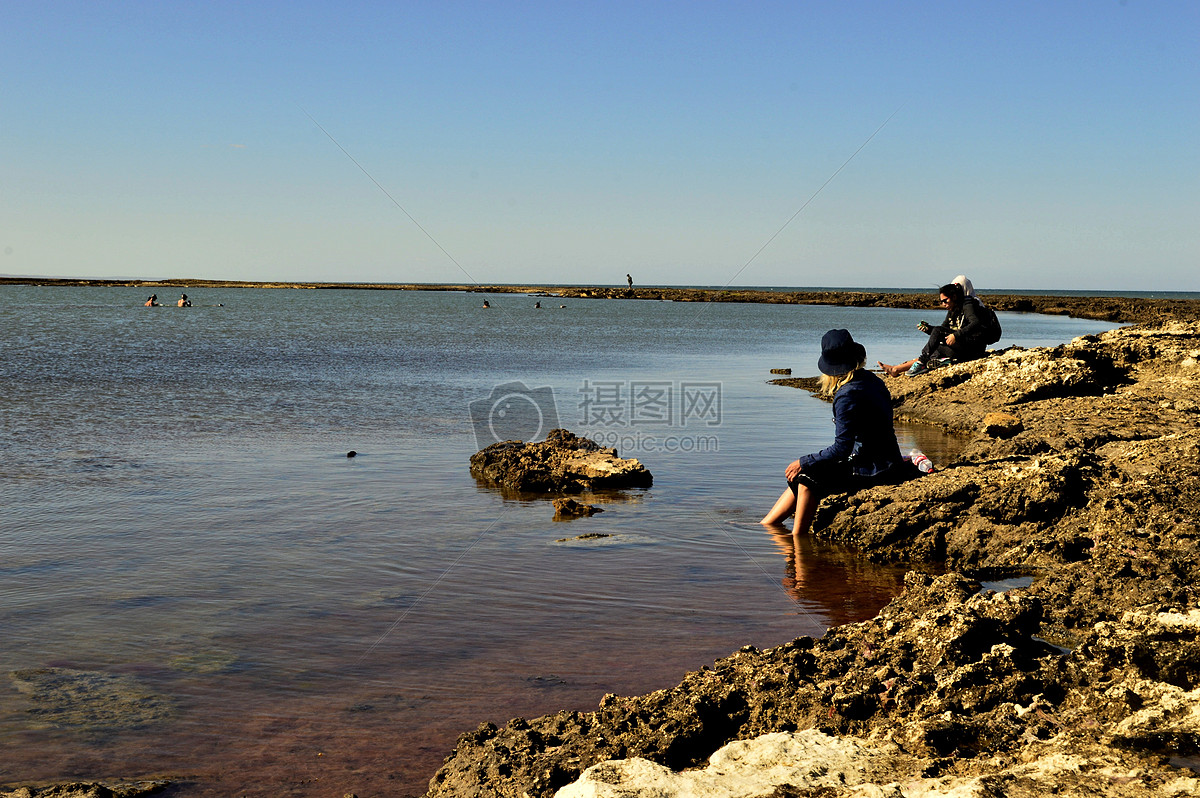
{"x": 840, "y": 353}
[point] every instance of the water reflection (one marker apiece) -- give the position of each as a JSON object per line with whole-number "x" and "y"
{"x": 597, "y": 497}
{"x": 846, "y": 587}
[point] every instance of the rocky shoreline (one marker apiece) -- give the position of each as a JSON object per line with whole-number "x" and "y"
{"x": 1075, "y": 670}
{"x": 1079, "y": 491}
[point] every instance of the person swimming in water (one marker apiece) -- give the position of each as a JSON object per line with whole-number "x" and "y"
{"x": 183, "y": 302}
{"x": 152, "y": 302}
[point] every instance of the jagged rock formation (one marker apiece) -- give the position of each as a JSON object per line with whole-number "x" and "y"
{"x": 563, "y": 463}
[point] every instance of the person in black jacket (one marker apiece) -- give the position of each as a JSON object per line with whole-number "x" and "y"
{"x": 864, "y": 450}
{"x": 960, "y": 337}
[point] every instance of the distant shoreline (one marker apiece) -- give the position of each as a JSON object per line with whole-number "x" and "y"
{"x": 1122, "y": 310}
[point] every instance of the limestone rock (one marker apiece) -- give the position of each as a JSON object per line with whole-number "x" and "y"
{"x": 807, "y": 760}
{"x": 1001, "y": 425}
{"x": 810, "y": 763}
{"x": 563, "y": 463}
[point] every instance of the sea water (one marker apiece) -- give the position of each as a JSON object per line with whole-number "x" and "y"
{"x": 196, "y": 581}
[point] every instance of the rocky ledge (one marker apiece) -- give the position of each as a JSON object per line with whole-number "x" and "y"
{"x": 1076, "y": 672}
{"x": 563, "y": 463}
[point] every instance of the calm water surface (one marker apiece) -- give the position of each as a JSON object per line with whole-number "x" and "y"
{"x": 196, "y": 582}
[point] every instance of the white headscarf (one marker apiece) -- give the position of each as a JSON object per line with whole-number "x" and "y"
{"x": 968, "y": 289}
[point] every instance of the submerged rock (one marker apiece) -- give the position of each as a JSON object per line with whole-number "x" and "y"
{"x": 135, "y": 789}
{"x": 563, "y": 463}
{"x": 566, "y": 509}
{"x": 91, "y": 700}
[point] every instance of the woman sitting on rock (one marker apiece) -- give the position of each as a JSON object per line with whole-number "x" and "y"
{"x": 960, "y": 337}
{"x": 864, "y": 450}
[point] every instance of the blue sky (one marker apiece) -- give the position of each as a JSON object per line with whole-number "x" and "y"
{"x": 1042, "y": 145}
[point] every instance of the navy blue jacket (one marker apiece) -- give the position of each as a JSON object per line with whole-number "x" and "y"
{"x": 863, "y": 432}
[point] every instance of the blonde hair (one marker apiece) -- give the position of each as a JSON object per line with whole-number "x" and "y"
{"x": 830, "y": 383}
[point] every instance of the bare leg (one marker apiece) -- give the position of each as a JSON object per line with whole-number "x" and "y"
{"x": 803, "y": 502}
{"x": 806, "y": 509}
{"x": 898, "y": 369}
{"x": 782, "y": 509}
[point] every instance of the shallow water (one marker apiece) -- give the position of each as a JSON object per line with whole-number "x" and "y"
{"x": 179, "y": 512}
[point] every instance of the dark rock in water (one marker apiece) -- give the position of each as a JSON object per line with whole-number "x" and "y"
{"x": 781, "y": 371}
{"x": 352, "y": 453}
{"x": 566, "y": 509}
{"x": 563, "y": 463}
{"x": 806, "y": 383}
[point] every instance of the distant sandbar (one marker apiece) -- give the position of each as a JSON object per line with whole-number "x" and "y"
{"x": 1122, "y": 310}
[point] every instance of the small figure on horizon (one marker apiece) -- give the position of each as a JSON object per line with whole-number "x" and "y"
{"x": 183, "y": 302}
{"x": 629, "y": 279}
{"x": 152, "y": 302}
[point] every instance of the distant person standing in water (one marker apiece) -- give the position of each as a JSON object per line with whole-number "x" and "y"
{"x": 183, "y": 302}
{"x": 152, "y": 302}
